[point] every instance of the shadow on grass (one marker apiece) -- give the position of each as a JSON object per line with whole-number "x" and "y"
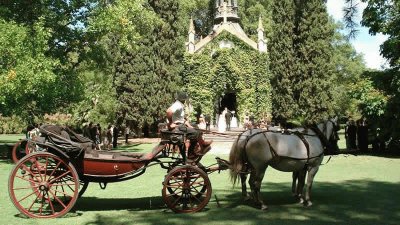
{"x": 350, "y": 202}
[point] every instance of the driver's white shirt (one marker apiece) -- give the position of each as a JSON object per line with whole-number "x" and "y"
{"x": 178, "y": 112}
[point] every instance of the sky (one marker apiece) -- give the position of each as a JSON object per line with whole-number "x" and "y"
{"x": 364, "y": 43}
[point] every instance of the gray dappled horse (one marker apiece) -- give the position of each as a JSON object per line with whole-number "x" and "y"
{"x": 298, "y": 150}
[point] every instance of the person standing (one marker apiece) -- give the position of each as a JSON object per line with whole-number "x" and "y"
{"x": 228, "y": 117}
{"x": 207, "y": 119}
{"x": 115, "y": 136}
{"x": 221, "y": 121}
{"x": 362, "y": 134}
{"x": 127, "y": 131}
{"x": 109, "y": 137}
{"x": 351, "y": 134}
{"x": 202, "y": 123}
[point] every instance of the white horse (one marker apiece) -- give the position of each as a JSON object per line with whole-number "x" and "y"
{"x": 299, "y": 151}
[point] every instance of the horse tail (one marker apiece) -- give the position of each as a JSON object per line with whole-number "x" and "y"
{"x": 236, "y": 160}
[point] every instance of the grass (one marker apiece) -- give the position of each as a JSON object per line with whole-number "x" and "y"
{"x": 348, "y": 190}
{"x": 10, "y": 138}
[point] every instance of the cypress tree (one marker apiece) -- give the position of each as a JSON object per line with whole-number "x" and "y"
{"x": 147, "y": 76}
{"x": 282, "y": 61}
{"x": 314, "y": 71}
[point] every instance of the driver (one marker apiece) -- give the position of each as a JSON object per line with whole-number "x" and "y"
{"x": 178, "y": 122}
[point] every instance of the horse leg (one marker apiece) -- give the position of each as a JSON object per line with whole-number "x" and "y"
{"x": 300, "y": 185}
{"x": 243, "y": 178}
{"x": 255, "y": 185}
{"x": 295, "y": 176}
{"x": 310, "y": 178}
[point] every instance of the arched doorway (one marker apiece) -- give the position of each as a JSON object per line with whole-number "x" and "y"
{"x": 229, "y": 101}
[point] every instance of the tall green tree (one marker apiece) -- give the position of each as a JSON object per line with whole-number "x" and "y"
{"x": 380, "y": 104}
{"x": 27, "y": 78}
{"x": 282, "y": 59}
{"x": 314, "y": 33}
{"x": 147, "y": 77}
{"x": 63, "y": 22}
{"x": 384, "y": 17}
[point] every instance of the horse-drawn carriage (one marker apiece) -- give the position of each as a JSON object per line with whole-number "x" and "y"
{"x": 59, "y": 166}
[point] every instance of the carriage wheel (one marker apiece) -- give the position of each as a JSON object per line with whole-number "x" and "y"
{"x": 43, "y": 185}
{"x": 20, "y": 149}
{"x": 186, "y": 189}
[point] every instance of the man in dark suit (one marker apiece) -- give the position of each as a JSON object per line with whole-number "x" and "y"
{"x": 115, "y": 136}
{"x": 228, "y": 117}
{"x": 207, "y": 118}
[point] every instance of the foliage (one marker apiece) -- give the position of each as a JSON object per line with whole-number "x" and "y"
{"x": 99, "y": 100}
{"x": 250, "y": 11}
{"x": 123, "y": 22}
{"x": 314, "y": 70}
{"x": 215, "y": 72}
{"x": 282, "y": 59}
{"x": 146, "y": 77}
{"x": 387, "y": 84}
{"x": 382, "y": 16}
{"x": 57, "y": 43}
{"x": 370, "y": 100}
{"x": 28, "y": 84}
{"x": 11, "y": 125}
{"x": 301, "y": 53}
{"x": 349, "y": 66}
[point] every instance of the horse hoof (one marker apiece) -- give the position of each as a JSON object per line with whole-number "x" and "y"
{"x": 246, "y": 198}
{"x": 264, "y": 207}
{"x": 301, "y": 201}
{"x": 308, "y": 204}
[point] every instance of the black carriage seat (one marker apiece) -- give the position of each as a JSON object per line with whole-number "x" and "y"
{"x": 172, "y": 137}
{"x": 125, "y": 156}
{"x": 65, "y": 139}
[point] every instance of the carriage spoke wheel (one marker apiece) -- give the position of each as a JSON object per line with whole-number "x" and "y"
{"x": 43, "y": 185}
{"x": 186, "y": 189}
{"x": 20, "y": 149}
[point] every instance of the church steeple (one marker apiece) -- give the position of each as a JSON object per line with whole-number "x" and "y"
{"x": 226, "y": 11}
{"x": 226, "y": 20}
{"x": 192, "y": 33}
{"x": 262, "y": 46}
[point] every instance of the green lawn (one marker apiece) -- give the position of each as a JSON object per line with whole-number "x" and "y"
{"x": 348, "y": 190}
{"x": 10, "y": 138}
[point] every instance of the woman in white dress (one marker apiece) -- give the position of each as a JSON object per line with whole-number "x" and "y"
{"x": 234, "y": 122}
{"x": 221, "y": 121}
{"x": 202, "y": 122}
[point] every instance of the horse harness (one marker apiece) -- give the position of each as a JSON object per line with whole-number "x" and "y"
{"x": 299, "y": 134}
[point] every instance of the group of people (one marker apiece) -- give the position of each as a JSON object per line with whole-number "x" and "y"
{"x": 107, "y": 138}
{"x": 226, "y": 120}
{"x": 356, "y": 134}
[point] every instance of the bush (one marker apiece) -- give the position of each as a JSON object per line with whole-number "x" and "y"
{"x": 12, "y": 125}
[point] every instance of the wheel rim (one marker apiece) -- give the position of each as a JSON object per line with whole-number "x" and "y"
{"x": 43, "y": 185}
{"x": 186, "y": 189}
{"x": 20, "y": 149}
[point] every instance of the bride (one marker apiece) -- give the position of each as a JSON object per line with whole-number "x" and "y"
{"x": 221, "y": 121}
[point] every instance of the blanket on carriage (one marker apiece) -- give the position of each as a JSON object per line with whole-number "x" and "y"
{"x": 65, "y": 139}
